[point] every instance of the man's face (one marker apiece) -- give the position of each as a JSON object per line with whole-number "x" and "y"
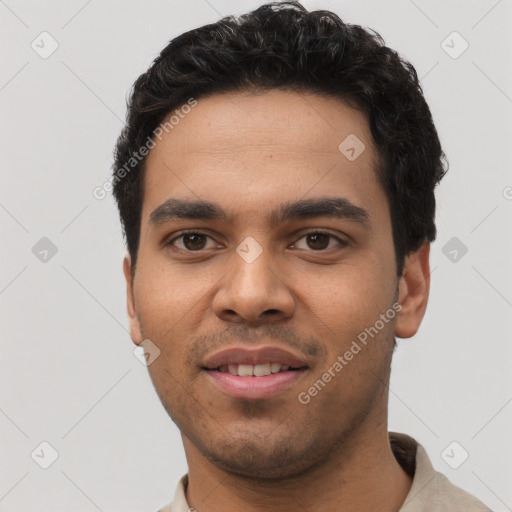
{"x": 249, "y": 282}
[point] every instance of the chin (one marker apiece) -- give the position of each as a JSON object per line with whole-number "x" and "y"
{"x": 260, "y": 468}
{"x": 263, "y": 459}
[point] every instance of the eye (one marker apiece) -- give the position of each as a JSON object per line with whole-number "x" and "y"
{"x": 191, "y": 241}
{"x": 319, "y": 241}
{"x": 195, "y": 241}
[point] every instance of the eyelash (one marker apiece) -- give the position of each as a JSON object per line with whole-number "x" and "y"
{"x": 341, "y": 242}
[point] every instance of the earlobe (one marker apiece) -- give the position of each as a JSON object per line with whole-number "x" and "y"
{"x": 135, "y": 330}
{"x": 413, "y": 291}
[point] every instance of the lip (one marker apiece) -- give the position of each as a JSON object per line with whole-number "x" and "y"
{"x": 254, "y": 387}
{"x": 260, "y": 355}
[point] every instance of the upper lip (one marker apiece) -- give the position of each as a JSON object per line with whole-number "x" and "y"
{"x": 260, "y": 355}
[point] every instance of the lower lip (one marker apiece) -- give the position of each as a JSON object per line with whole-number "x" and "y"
{"x": 254, "y": 387}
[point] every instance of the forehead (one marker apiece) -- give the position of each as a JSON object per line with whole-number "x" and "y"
{"x": 277, "y": 119}
{"x": 246, "y": 148}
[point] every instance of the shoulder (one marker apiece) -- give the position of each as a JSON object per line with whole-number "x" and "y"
{"x": 179, "y": 502}
{"x": 430, "y": 491}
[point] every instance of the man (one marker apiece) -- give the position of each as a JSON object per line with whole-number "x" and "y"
{"x": 275, "y": 182}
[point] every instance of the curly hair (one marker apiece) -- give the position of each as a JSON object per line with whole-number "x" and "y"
{"x": 282, "y": 45}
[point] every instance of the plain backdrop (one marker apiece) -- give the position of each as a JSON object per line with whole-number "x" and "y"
{"x": 68, "y": 374}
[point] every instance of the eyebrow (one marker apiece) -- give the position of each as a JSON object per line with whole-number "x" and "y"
{"x": 335, "y": 207}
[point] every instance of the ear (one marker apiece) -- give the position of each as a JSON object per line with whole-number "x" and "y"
{"x": 135, "y": 330}
{"x": 413, "y": 290}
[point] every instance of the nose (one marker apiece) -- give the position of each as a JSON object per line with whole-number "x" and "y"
{"x": 254, "y": 292}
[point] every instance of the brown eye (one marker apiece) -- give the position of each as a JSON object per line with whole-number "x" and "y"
{"x": 191, "y": 242}
{"x": 318, "y": 241}
{"x": 194, "y": 242}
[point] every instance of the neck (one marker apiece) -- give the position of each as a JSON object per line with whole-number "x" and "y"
{"x": 362, "y": 475}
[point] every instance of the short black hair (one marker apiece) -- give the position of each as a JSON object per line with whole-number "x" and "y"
{"x": 281, "y": 45}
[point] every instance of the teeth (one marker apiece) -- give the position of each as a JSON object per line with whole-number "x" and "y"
{"x": 253, "y": 370}
{"x": 245, "y": 370}
{"x": 275, "y": 367}
{"x": 261, "y": 369}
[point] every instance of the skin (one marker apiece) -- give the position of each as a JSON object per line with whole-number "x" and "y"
{"x": 249, "y": 153}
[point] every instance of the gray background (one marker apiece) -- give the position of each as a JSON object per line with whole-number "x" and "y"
{"x": 68, "y": 374}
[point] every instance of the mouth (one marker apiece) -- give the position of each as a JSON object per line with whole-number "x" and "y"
{"x": 256, "y": 370}
{"x": 254, "y": 374}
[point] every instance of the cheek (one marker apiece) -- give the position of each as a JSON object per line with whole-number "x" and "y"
{"x": 172, "y": 305}
{"x": 349, "y": 296}
{"x": 165, "y": 294}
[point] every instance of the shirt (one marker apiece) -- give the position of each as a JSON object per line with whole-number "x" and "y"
{"x": 431, "y": 491}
